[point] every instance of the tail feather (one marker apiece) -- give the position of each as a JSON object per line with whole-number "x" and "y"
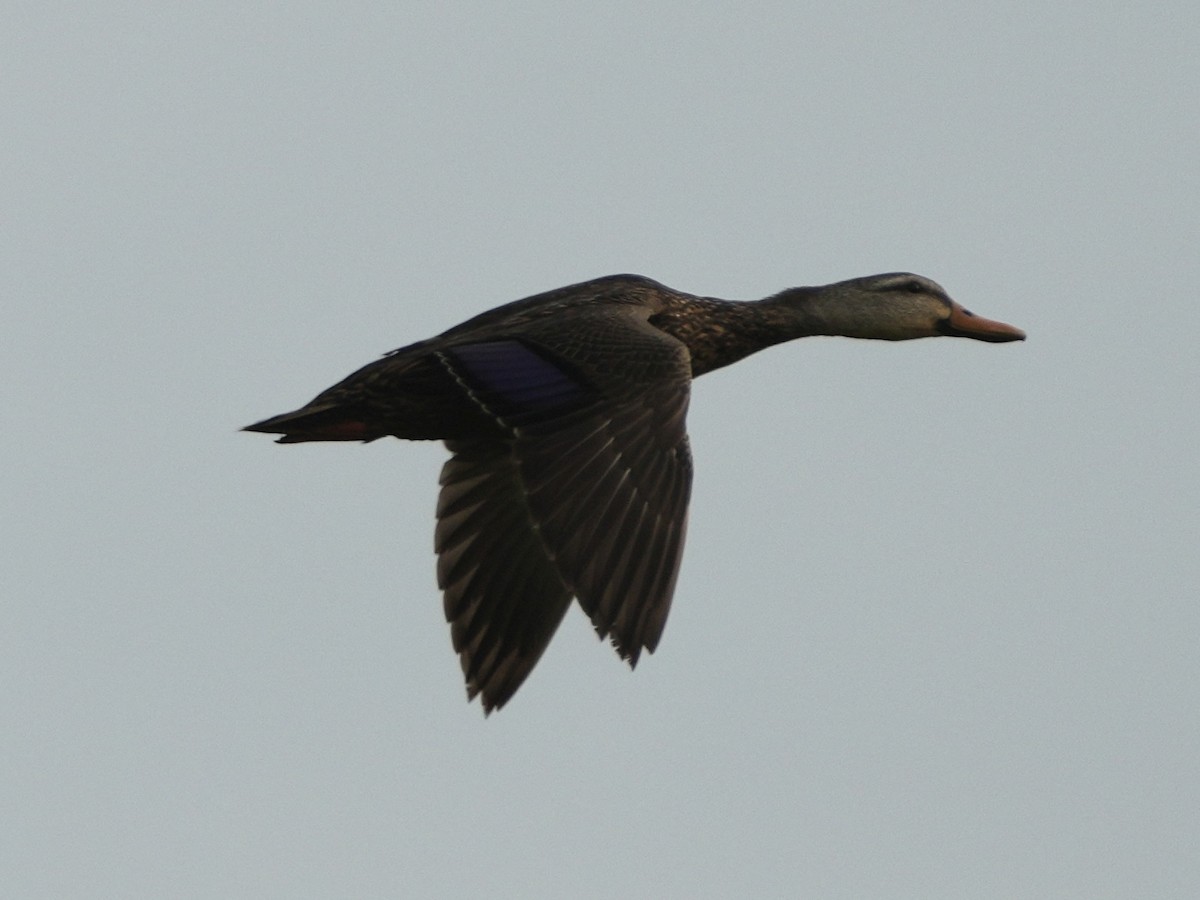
{"x": 320, "y": 423}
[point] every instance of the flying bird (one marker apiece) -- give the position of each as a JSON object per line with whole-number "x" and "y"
{"x": 564, "y": 414}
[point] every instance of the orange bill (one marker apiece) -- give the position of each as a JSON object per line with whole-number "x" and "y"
{"x": 964, "y": 323}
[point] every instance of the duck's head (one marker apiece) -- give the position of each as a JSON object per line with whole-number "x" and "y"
{"x": 900, "y": 306}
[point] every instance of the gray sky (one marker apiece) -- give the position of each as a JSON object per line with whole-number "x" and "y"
{"x": 936, "y": 630}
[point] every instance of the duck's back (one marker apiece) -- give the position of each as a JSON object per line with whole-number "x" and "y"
{"x": 563, "y": 304}
{"x": 576, "y": 345}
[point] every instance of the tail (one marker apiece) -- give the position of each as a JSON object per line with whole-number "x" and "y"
{"x": 325, "y": 422}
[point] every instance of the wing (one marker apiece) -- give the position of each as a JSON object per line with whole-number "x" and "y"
{"x": 503, "y": 595}
{"x": 588, "y": 496}
{"x": 609, "y": 493}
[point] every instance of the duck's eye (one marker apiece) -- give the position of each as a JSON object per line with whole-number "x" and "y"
{"x": 915, "y": 287}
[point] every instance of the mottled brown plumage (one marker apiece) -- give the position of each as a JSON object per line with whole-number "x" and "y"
{"x": 570, "y": 470}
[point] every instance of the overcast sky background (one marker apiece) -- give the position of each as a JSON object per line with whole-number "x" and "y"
{"x": 936, "y": 633}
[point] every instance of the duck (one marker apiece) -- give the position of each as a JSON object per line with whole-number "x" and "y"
{"x": 570, "y": 472}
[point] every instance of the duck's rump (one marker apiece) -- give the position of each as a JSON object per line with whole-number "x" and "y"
{"x": 410, "y": 396}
